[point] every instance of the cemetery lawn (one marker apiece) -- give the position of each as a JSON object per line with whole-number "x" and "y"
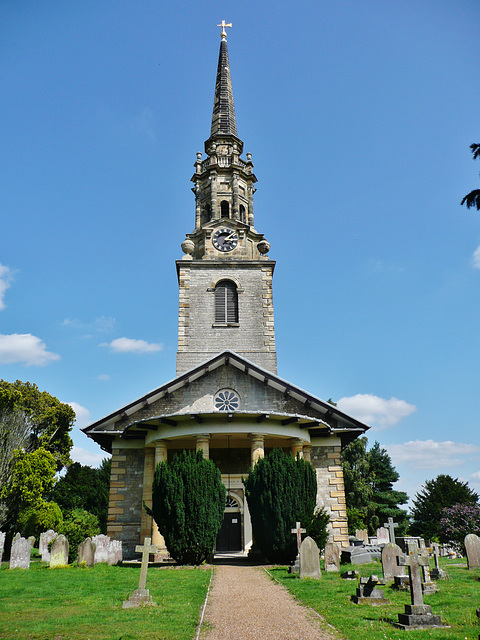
{"x": 456, "y": 601}
{"x": 74, "y": 603}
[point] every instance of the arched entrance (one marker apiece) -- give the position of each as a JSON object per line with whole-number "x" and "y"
{"x": 230, "y": 535}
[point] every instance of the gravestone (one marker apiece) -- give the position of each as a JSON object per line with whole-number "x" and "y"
{"x": 472, "y": 547}
{"x": 141, "y": 596}
{"x": 45, "y": 539}
{"x": 31, "y": 539}
{"x": 2, "y": 544}
{"x": 309, "y": 557}
{"x": 20, "y": 553}
{"x": 332, "y": 557}
{"x": 383, "y": 536}
{"x": 86, "y": 553}
{"x": 360, "y": 555}
{"x": 367, "y": 592}
{"x": 417, "y": 614}
{"x": 362, "y": 534}
{"x": 437, "y": 573}
{"x": 59, "y": 552}
{"x": 107, "y": 550}
{"x": 298, "y": 531}
{"x": 428, "y": 586}
{"x": 391, "y": 526}
{"x": 390, "y": 566}
{"x": 350, "y": 575}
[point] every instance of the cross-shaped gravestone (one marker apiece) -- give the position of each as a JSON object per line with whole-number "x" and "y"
{"x": 414, "y": 561}
{"x": 298, "y": 530}
{"x": 145, "y": 550}
{"x": 391, "y": 526}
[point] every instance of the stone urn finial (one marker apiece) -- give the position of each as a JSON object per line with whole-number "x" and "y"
{"x": 264, "y": 247}
{"x": 188, "y": 246}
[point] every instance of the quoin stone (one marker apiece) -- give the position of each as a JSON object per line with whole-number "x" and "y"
{"x": 472, "y": 547}
{"x": 309, "y": 559}
{"x": 20, "y": 553}
{"x": 59, "y": 552}
{"x": 332, "y": 557}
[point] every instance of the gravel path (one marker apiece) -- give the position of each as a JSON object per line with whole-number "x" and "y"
{"x": 245, "y": 604}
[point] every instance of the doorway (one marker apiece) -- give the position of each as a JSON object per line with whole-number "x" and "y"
{"x": 230, "y": 535}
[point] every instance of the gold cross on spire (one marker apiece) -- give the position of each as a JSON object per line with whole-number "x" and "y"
{"x": 223, "y": 25}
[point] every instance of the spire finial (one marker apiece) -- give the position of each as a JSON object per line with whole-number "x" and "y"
{"x": 223, "y": 35}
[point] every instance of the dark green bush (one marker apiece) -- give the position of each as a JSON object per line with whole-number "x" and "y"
{"x": 280, "y": 491}
{"x": 78, "y": 524}
{"x": 188, "y": 503}
{"x": 32, "y": 521}
{"x": 317, "y": 529}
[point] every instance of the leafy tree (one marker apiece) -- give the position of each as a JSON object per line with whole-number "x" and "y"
{"x": 317, "y": 529}
{"x": 280, "y": 491}
{"x": 32, "y": 521}
{"x": 457, "y": 522}
{"x": 78, "y": 524}
{"x": 84, "y": 487}
{"x": 472, "y": 199}
{"x": 436, "y": 495}
{"x": 369, "y": 477}
{"x": 188, "y": 503}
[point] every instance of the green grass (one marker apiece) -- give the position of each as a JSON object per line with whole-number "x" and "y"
{"x": 75, "y": 603}
{"x": 456, "y": 601}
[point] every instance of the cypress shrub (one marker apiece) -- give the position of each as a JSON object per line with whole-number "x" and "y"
{"x": 188, "y": 503}
{"x": 280, "y": 491}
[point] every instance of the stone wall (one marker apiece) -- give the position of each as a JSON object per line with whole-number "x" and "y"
{"x": 325, "y": 457}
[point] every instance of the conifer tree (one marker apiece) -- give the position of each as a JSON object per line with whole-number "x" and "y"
{"x": 188, "y": 503}
{"x": 280, "y": 491}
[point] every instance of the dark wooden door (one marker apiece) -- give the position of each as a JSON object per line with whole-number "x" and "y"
{"x": 230, "y": 535}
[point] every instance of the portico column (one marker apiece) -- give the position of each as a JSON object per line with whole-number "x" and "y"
{"x": 307, "y": 450}
{"x": 296, "y": 447}
{"x": 257, "y": 447}
{"x": 160, "y": 456}
{"x": 203, "y": 445}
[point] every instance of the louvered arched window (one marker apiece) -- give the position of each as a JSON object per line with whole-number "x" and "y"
{"x": 226, "y": 302}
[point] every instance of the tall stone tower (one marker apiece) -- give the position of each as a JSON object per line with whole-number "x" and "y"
{"x": 225, "y": 276}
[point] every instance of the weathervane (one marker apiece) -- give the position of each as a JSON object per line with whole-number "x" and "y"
{"x": 223, "y": 25}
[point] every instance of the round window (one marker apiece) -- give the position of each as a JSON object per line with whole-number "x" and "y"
{"x": 226, "y": 400}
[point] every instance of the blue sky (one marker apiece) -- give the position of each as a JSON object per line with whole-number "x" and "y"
{"x": 359, "y": 116}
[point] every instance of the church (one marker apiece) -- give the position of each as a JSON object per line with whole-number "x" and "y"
{"x": 227, "y": 399}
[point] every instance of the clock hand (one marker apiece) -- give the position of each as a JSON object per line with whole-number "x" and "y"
{"x": 230, "y": 237}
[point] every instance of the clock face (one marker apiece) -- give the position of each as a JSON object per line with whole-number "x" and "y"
{"x": 225, "y": 239}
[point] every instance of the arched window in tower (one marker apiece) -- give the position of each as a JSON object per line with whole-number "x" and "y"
{"x": 242, "y": 213}
{"x": 226, "y": 302}
{"x": 225, "y": 209}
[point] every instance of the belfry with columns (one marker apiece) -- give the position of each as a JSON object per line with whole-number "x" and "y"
{"x": 227, "y": 399}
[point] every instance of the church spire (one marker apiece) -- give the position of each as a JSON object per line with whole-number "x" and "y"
{"x": 223, "y": 118}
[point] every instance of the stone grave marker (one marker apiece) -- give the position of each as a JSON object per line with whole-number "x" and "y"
{"x": 31, "y": 539}
{"x": 391, "y": 526}
{"x": 417, "y": 614}
{"x": 298, "y": 531}
{"x": 472, "y": 547}
{"x": 383, "y": 536}
{"x": 20, "y": 553}
{"x": 45, "y": 538}
{"x": 141, "y": 596}
{"x": 362, "y": 534}
{"x": 309, "y": 557}
{"x": 437, "y": 573}
{"x": 86, "y": 553}
{"x": 390, "y": 566}
{"x": 367, "y": 592}
{"x": 350, "y": 575}
{"x": 332, "y": 557}
{"x": 59, "y": 552}
{"x": 2, "y": 544}
{"x": 107, "y": 550}
{"x": 428, "y": 586}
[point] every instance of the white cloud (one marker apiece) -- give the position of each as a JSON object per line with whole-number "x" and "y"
{"x": 82, "y": 414}
{"x": 430, "y": 454}
{"x": 476, "y": 258}
{"x": 6, "y": 278}
{"x": 375, "y": 411}
{"x": 101, "y": 324}
{"x": 78, "y": 454}
{"x": 25, "y": 348}
{"x": 127, "y": 345}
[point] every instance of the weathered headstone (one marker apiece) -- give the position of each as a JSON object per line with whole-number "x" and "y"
{"x": 383, "y": 536}
{"x": 86, "y": 553}
{"x": 107, "y": 550}
{"x": 332, "y": 557}
{"x": 362, "y": 534}
{"x": 45, "y": 538}
{"x": 367, "y": 592}
{"x": 59, "y": 552}
{"x": 309, "y": 559}
{"x": 391, "y": 526}
{"x": 360, "y": 555}
{"x": 31, "y": 539}
{"x": 472, "y": 547}
{"x": 2, "y": 544}
{"x": 141, "y": 596}
{"x": 428, "y": 586}
{"x": 417, "y": 614}
{"x": 20, "y": 553}
{"x": 390, "y": 566}
{"x": 437, "y": 573}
